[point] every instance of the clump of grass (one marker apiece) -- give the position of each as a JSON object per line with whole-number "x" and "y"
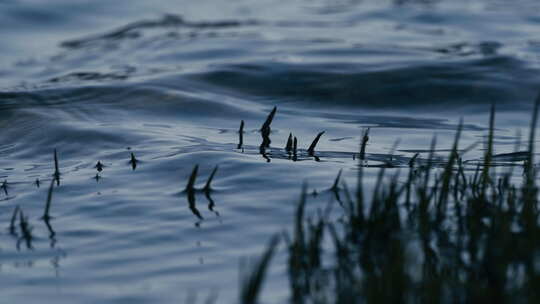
{"x": 431, "y": 236}
{"x": 304, "y": 253}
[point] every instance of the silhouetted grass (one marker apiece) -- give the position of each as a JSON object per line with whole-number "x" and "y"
{"x": 365, "y": 139}
{"x": 133, "y": 161}
{"x": 268, "y": 121}
{"x": 192, "y": 178}
{"x": 56, "y": 174}
{"x": 311, "y": 148}
{"x": 252, "y": 281}
{"x": 241, "y": 135}
{"x": 191, "y": 190}
{"x": 289, "y": 146}
{"x": 99, "y": 166}
{"x": 208, "y": 185}
{"x": 13, "y": 219}
{"x": 46, "y": 215}
{"x": 26, "y": 231}
{"x": 4, "y": 187}
{"x": 295, "y": 149}
{"x": 335, "y": 186}
{"x": 428, "y": 236}
{"x": 266, "y": 130}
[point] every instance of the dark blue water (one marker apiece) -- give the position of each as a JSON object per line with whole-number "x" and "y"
{"x": 170, "y": 82}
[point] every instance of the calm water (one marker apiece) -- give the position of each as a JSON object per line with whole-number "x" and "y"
{"x": 170, "y": 81}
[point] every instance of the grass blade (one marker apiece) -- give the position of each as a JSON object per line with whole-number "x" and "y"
{"x": 48, "y": 202}
{"x": 311, "y": 148}
{"x": 252, "y": 282}
{"x": 207, "y": 187}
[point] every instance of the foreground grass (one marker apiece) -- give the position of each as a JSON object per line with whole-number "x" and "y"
{"x": 439, "y": 236}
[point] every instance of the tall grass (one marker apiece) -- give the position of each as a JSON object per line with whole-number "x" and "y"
{"x": 428, "y": 236}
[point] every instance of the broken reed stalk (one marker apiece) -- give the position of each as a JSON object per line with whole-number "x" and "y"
{"x": 56, "y": 174}
{"x": 193, "y": 177}
{"x": 311, "y": 148}
{"x": 13, "y": 219}
{"x": 365, "y": 139}
{"x": 208, "y": 187}
{"x": 5, "y": 187}
{"x": 133, "y": 161}
{"x": 26, "y": 230}
{"x": 190, "y": 191}
{"x": 268, "y": 121}
{"x": 265, "y": 131}
{"x": 99, "y": 166}
{"x": 56, "y": 168}
{"x": 191, "y": 182}
{"x": 46, "y": 215}
{"x": 241, "y": 135}
{"x": 289, "y": 146}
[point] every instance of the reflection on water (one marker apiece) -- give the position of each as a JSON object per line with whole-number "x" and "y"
{"x": 191, "y": 193}
{"x": 25, "y": 232}
{"x": 5, "y": 187}
{"x": 133, "y": 161}
{"x": 52, "y": 233}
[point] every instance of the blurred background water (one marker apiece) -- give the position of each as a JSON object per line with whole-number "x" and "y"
{"x": 170, "y": 81}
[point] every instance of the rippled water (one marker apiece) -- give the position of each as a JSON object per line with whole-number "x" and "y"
{"x": 170, "y": 82}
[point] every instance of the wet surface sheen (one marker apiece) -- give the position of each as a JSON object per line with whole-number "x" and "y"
{"x": 170, "y": 82}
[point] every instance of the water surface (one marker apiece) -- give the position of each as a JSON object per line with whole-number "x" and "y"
{"x": 170, "y": 82}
